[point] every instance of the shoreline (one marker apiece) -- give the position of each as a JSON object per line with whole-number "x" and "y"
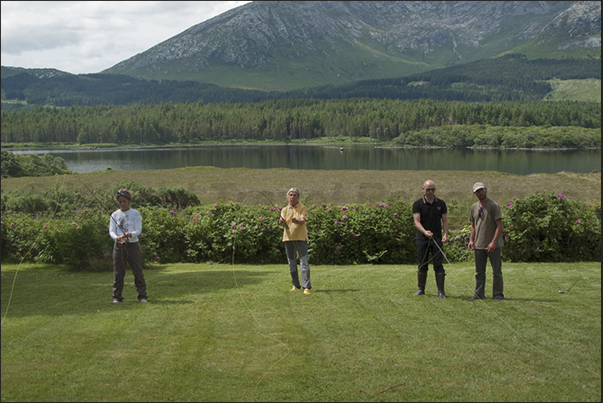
{"x": 339, "y": 144}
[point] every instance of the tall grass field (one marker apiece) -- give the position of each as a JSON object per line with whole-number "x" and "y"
{"x": 236, "y": 333}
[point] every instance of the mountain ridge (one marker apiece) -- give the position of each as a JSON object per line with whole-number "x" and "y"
{"x": 287, "y": 45}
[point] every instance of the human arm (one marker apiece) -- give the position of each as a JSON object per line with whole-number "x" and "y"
{"x": 303, "y": 216}
{"x": 497, "y": 234}
{"x": 471, "y": 236}
{"x": 445, "y": 226}
{"x": 417, "y": 219}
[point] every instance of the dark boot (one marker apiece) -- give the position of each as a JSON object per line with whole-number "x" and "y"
{"x": 422, "y": 278}
{"x": 440, "y": 283}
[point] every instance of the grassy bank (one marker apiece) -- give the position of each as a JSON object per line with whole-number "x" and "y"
{"x": 329, "y": 186}
{"x": 235, "y": 333}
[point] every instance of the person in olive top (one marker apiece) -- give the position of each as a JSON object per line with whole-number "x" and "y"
{"x": 125, "y": 227}
{"x": 430, "y": 215}
{"x": 486, "y": 241}
{"x": 295, "y": 236}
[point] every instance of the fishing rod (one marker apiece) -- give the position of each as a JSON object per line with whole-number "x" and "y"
{"x": 124, "y": 251}
{"x": 285, "y": 225}
{"x": 100, "y": 203}
{"x": 565, "y": 292}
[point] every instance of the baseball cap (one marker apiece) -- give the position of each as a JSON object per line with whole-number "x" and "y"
{"x": 477, "y": 186}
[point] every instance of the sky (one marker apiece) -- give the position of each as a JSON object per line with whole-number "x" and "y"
{"x": 82, "y": 37}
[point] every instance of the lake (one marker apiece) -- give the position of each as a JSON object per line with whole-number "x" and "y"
{"x": 357, "y": 156}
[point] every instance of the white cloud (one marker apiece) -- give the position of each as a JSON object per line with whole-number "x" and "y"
{"x": 90, "y": 36}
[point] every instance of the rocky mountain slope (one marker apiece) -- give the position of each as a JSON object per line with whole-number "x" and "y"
{"x": 292, "y": 44}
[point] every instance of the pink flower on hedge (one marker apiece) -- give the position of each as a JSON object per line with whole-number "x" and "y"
{"x": 172, "y": 212}
{"x": 510, "y": 204}
{"x": 338, "y": 248}
{"x": 278, "y": 250}
{"x": 538, "y": 248}
{"x": 356, "y": 208}
{"x": 12, "y": 223}
{"x": 194, "y": 219}
{"x": 577, "y": 221}
{"x": 74, "y": 223}
{"x": 263, "y": 229}
{"x": 561, "y": 196}
{"x": 343, "y": 217}
{"x": 336, "y": 222}
{"x": 262, "y": 219}
{"x": 395, "y": 214}
{"x": 45, "y": 226}
{"x": 353, "y": 234}
{"x": 260, "y": 204}
{"x": 156, "y": 257}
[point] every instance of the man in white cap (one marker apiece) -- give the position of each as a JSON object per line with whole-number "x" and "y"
{"x": 486, "y": 241}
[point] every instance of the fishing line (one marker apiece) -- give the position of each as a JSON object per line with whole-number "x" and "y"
{"x": 10, "y": 296}
{"x": 247, "y": 305}
{"x": 537, "y": 348}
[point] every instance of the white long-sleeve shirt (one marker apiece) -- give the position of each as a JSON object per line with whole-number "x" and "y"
{"x": 125, "y": 221}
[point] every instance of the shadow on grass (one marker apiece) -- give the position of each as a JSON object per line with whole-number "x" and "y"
{"x": 57, "y": 291}
{"x": 338, "y": 290}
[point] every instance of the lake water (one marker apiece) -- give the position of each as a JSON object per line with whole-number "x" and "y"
{"x": 363, "y": 156}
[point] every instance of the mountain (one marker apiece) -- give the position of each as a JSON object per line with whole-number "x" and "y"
{"x": 286, "y": 45}
{"x": 511, "y": 77}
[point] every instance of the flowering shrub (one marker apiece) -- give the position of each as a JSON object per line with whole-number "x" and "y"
{"x": 553, "y": 228}
{"x": 537, "y": 228}
{"x": 361, "y": 233}
{"x": 232, "y": 232}
{"x": 75, "y": 243}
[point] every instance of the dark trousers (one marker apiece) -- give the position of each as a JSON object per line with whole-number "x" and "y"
{"x": 132, "y": 254}
{"x": 427, "y": 248}
{"x": 481, "y": 258}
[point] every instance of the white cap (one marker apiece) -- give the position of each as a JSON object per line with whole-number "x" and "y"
{"x": 477, "y": 186}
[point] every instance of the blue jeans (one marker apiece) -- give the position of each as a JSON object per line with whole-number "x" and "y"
{"x": 293, "y": 248}
{"x": 426, "y": 247}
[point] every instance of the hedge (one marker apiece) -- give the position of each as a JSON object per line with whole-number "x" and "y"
{"x": 541, "y": 227}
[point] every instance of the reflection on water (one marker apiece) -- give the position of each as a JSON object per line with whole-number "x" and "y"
{"x": 364, "y": 156}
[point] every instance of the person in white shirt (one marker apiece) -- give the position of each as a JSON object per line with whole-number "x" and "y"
{"x": 125, "y": 227}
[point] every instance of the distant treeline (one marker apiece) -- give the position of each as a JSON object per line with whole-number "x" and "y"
{"x": 287, "y": 120}
{"x": 508, "y": 78}
{"x": 17, "y": 165}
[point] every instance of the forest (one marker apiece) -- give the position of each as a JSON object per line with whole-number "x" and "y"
{"x": 567, "y": 124}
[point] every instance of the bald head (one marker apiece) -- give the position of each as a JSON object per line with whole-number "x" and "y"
{"x": 429, "y": 189}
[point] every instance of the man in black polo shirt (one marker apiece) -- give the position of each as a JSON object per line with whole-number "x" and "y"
{"x": 430, "y": 215}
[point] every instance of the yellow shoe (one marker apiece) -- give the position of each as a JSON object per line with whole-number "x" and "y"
{"x": 307, "y": 291}
{"x": 294, "y": 288}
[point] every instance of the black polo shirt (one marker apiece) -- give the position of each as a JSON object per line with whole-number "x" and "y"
{"x": 431, "y": 216}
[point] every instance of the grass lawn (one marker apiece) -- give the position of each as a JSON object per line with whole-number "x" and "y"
{"x": 236, "y": 333}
